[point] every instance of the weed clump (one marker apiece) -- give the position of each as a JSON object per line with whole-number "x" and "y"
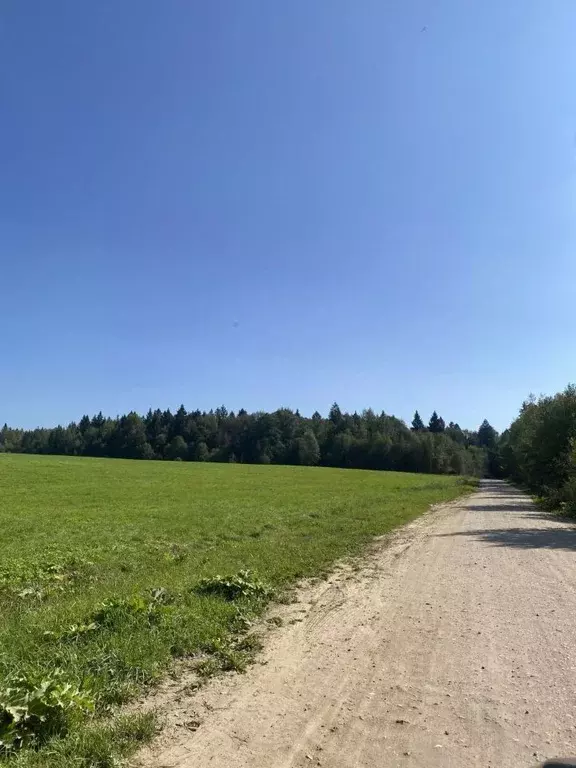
{"x": 231, "y": 656}
{"x": 33, "y": 710}
{"x": 244, "y": 584}
{"x": 42, "y": 579}
{"x": 73, "y": 633}
{"x": 113, "y": 613}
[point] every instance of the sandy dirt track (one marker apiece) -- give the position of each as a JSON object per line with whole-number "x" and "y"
{"x": 453, "y": 645}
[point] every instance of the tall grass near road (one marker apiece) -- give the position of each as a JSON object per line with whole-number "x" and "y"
{"x": 110, "y": 569}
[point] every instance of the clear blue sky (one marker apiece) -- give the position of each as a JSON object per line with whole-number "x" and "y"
{"x": 265, "y": 203}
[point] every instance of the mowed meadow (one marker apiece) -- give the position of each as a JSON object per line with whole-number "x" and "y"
{"x": 112, "y": 569}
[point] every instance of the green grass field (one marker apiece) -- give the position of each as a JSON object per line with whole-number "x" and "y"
{"x": 100, "y": 567}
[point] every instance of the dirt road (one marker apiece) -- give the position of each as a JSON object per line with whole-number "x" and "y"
{"x": 453, "y": 645}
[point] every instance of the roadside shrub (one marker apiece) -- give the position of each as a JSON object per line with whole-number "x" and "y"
{"x": 474, "y": 482}
{"x": 32, "y": 711}
{"x": 242, "y": 584}
{"x": 552, "y": 499}
{"x": 112, "y": 613}
{"x": 116, "y": 611}
{"x": 98, "y": 745}
{"x": 569, "y": 493}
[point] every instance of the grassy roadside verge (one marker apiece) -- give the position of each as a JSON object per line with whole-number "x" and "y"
{"x": 108, "y": 573}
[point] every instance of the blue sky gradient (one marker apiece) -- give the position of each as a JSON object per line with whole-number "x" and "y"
{"x": 270, "y": 204}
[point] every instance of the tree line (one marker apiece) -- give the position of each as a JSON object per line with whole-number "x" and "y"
{"x": 539, "y": 449}
{"x": 364, "y": 441}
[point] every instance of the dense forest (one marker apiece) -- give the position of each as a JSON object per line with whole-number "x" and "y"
{"x": 363, "y": 441}
{"x": 539, "y": 449}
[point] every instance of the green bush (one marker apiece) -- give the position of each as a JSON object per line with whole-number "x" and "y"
{"x": 569, "y": 493}
{"x": 32, "y": 710}
{"x": 242, "y": 584}
{"x": 116, "y": 611}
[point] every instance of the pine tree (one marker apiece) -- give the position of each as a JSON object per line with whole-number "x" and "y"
{"x": 486, "y": 434}
{"x": 417, "y": 423}
{"x": 335, "y": 415}
{"x": 436, "y": 424}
